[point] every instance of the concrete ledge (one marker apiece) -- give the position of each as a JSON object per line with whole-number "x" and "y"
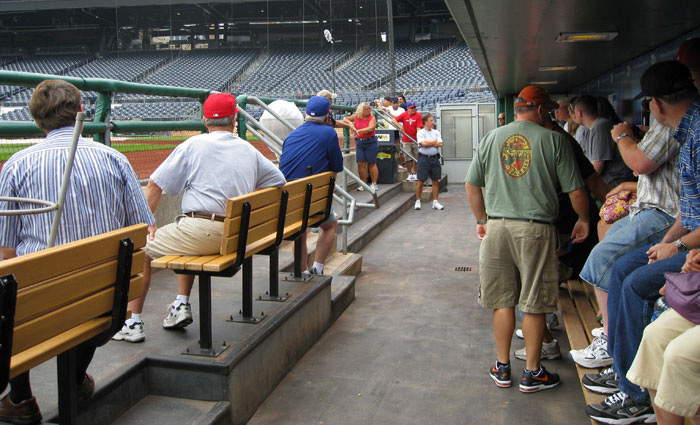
{"x": 342, "y": 295}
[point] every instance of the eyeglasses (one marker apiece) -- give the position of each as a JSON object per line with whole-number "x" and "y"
{"x": 646, "y": 102}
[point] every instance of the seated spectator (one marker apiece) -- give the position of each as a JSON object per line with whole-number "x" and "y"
{"x": 313, "y": 149}
{"x": 637, "y": 276}
{"x": 501, "y": 119}
{"x": 599, "y": 146}
{"x": 580, "y": 132}
{"x": 606, "y": 110}
{"x": 208, "y": 169}
{"x": 366, "y": 143}
{"x": 103, "y": 195}
{"x": 667, "y": 363}
{"x": 429, "y": 140}
{"x": 562, "y": 114}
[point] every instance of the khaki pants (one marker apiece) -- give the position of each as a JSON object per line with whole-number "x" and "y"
{"x": 668, "y": 361}
{"x": 187, "y": 236}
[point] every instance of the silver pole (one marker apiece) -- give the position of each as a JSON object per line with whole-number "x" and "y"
{"x": 390, "y": 39}
{"x": 80, "y": 117}
{"x": 345, "y": 214}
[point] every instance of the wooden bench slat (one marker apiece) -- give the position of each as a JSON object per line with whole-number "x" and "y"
{"x": 70, "y": 257}
{"x": 220, "y": 263}
{"x": 260, "y": 216}
{"x": 60, "y": 320}
{"x": 48, "y": 295}
{"x": 583, "y": 305}
{"x": 257, "y": 199}
{"x": 38, "y": 354}
{"x": 197, "y": 264}
{"x": 179, "y": 263}
{"x": 162, "y": 262}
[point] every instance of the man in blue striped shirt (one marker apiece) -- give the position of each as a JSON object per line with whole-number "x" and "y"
{"x": 104, "y": 195}
{"x": 675, "y": 103}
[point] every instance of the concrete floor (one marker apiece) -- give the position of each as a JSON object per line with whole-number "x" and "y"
{"x": 415, "y": 347}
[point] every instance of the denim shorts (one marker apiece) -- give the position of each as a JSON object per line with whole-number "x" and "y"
{"x": 429, "y": 167}
{"x": 366, "y": 150}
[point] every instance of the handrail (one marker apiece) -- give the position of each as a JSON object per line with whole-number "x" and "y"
{"x": 390, "y": 121}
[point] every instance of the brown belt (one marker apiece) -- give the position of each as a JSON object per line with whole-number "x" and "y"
{"x": 206, "y": 215}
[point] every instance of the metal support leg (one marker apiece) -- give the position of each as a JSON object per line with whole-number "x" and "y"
{"x": 297, "y": 275}
{"x": 245, "y": 315}
{"x": 205, "y": 346}
{"x": 274, "y": 293}
{"x": 67, "y": 387}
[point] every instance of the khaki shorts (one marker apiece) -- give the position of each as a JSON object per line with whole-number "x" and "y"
{"x": 411, "y": 148}
{"x": 518, "y": 265}
{"x": 668, "y": 361}
{"x": 187, "y": 236}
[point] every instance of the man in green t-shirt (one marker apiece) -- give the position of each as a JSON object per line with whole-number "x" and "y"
{"x": 520, "y": 167}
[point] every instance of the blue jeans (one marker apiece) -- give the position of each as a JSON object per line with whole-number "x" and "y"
{"x": 630, "y": 305}
{"x": 646, "y": 227}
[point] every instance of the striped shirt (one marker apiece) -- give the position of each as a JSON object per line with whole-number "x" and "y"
{"x": 661, "y": 188}
{"x": 688, "y": 135}
{"x": 104, "y": 193}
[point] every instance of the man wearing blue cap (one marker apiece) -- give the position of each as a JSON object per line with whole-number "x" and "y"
{"x": 313, "y": 148}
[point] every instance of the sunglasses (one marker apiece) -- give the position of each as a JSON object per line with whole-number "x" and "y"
{"x": 646, "y": 102}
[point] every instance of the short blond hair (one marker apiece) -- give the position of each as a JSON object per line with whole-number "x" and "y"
{"x": 327, "y": 94}
{"x": 361, "y": 108}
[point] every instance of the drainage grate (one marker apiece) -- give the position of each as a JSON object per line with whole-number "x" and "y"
{"x": 463, "y": 269}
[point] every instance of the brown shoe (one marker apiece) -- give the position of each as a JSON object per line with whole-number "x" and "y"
{"x": 23, "y": 413}
{"x": 87, "y": 387}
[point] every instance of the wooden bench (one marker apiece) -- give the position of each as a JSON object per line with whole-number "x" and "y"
{"x": 55, "y": 299}
{"x": 255, "y": 223}
{"x": 579, "y": 307}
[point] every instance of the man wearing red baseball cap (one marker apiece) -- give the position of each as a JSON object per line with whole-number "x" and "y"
{"x": 411, "y": 121}
{"x": 207, "y": 169}
{"x": 522, "y": 166}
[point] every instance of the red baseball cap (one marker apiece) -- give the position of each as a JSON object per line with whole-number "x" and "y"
{"x": 534, "y": 96}
{"x": 689, "y": 54}
{"x": 219, "y": 105}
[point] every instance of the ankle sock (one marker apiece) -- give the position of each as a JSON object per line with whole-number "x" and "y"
{"x": 549, "y": 344}
{"x": 499, "y": 364}
{"x": 318, "y": 267}
{"x": 181, "y": 299}
{"x": 133, "y": 319}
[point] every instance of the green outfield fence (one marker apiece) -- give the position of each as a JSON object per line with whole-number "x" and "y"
{"x": 145, "y": 143}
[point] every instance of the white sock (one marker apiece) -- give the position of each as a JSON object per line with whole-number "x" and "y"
{"x": 181, "y": 299}
{"x": 318, "y": 267}
{"x": 133, "y": 319}
{"x": 550, "y": 344}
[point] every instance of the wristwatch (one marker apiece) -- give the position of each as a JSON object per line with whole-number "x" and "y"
{"x": 681, "y": 246}
{"x": 480, "y": 221}
{"x": 621, "y": 136}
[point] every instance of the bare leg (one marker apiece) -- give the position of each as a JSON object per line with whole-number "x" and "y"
{"x": 136, "y": 305}
{"x": 602, "y": 298}
{"x": 664, "y": 417}
{"x": 373, "y": 172}
{"x": 533, "y": 330}
{"x": 419, "y": 189}
{"x": 503, "y": 328}
{"x": 411, "y": 166}
{"x": 362, "y": 170}
{"x": 325, "y": 241}
{"x": 184, "y": 284}
{"x": 603, "y": 228}
{"x": 547, "y": 336}
{"x": 436, "y": 190}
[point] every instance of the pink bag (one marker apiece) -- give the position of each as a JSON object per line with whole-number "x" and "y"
{"x": 617, "y": 206}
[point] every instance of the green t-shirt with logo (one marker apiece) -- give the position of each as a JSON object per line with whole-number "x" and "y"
{"x": 520, "y": 165}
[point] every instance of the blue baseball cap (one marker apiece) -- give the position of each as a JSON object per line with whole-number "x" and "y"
{"x": 317, "y": 106}
{"x": 410, "y": 105}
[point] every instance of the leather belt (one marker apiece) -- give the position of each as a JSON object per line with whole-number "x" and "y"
{"x": 520, "y": 219}
{"x": 206, "y": 215}
{"x": 437, "y": 155}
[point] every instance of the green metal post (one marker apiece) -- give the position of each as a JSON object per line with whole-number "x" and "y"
{"x": 102, "y": 110}
{"x": 242, "y": 100}
{"x": 346, "y": 135}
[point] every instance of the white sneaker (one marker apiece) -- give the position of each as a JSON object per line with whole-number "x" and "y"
{"x": 437, "y": 205}
{"x": 519, "y": 333}
{"x": 130, "y": 333}
{"x": 417, "y": 205}
{"x": 374, "y": 187}
{"x": 414, "y": 177}
{"x": 549, "y": 351}
{"x": 594, "y": 356}
{"x": 178, "y": 317}
{"x": 360, "y": 188}
{"x": 597, "y": 332}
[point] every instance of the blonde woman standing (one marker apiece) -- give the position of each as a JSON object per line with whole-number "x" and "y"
{"x": 366, "y": 144}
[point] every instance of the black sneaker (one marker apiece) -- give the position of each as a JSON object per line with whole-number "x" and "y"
{"x": 500, "y": 373}
{"x": 605, "y": 382}
{"x": 531, "y": 382}
{"x": 619, "y": 409}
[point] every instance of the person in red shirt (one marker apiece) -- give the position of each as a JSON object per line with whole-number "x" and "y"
{"x": 411, "y": 121}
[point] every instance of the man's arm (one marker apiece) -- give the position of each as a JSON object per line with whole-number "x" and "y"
{"x": 598, "y": 166}
{"x": 7, "y": 253}
{"x": 476, "y": 201}
{"x": 667, "y": 247}
{"x": 153, "y": 195}
{"x": 597, "y": 187}
{"x": 635, "y": 159}
{"x": 397, "y": 125}
{"x": 579, "y": 201}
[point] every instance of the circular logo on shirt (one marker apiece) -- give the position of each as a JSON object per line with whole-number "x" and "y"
{"x": 516, "y": 154}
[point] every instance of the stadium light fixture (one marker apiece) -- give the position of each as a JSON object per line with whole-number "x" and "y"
{"x": 544, "y": 83}
{"x": 570, "y": 37}
{"x": 557, "y": 68}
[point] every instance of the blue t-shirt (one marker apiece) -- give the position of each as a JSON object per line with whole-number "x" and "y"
{"x": 311, "y": 145}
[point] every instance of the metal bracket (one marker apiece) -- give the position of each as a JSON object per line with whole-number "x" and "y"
{"x": 214, "y": 351}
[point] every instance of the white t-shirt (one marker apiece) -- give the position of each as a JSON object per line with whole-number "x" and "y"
{"x": 395, "y": 112}
{"x": 427, "y": 135}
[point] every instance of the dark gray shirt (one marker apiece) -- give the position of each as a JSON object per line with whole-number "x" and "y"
{"x": 599, "y": 146}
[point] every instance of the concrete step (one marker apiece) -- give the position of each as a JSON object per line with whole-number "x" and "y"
{"x": 427, "y": 187}
{"x": 342, "y": 294}
{"x": 362, "y": 232}
{"x": 169, "y": 410}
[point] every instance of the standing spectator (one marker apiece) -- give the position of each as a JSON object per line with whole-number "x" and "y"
{"x": 606, "y": 110}
{"x": 429, "y": 140}
{"x": 580, "y": 132}
{"x": 313, "y": 149}
{"x": 103, "y": 195}
{"x": 332, "y": 121}
{"x": 522, "y": 165}
{"x": 599, "y": 146}
{"x": 637, "y": 276}
{"x": 501, "y": 119}
{"x": 395, "y": 110}
{"x": 410, "y": 121}
{"x": 562, "y": 114}
{"x": 402, "y": 102}
{"x": 366, "y": 144}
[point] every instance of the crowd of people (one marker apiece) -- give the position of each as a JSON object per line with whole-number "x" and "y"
{"x": 536, "y": 186}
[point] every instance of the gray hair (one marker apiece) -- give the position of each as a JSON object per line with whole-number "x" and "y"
{"x": 219, "y": 122}
{"x": 689, "y": 93}
{"x": 319, "y": 120}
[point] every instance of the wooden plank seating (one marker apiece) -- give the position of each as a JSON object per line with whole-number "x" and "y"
{"x": 578, "y": 307}
{"x": 255, "y": 223}
{"x": 55, "y": 299}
